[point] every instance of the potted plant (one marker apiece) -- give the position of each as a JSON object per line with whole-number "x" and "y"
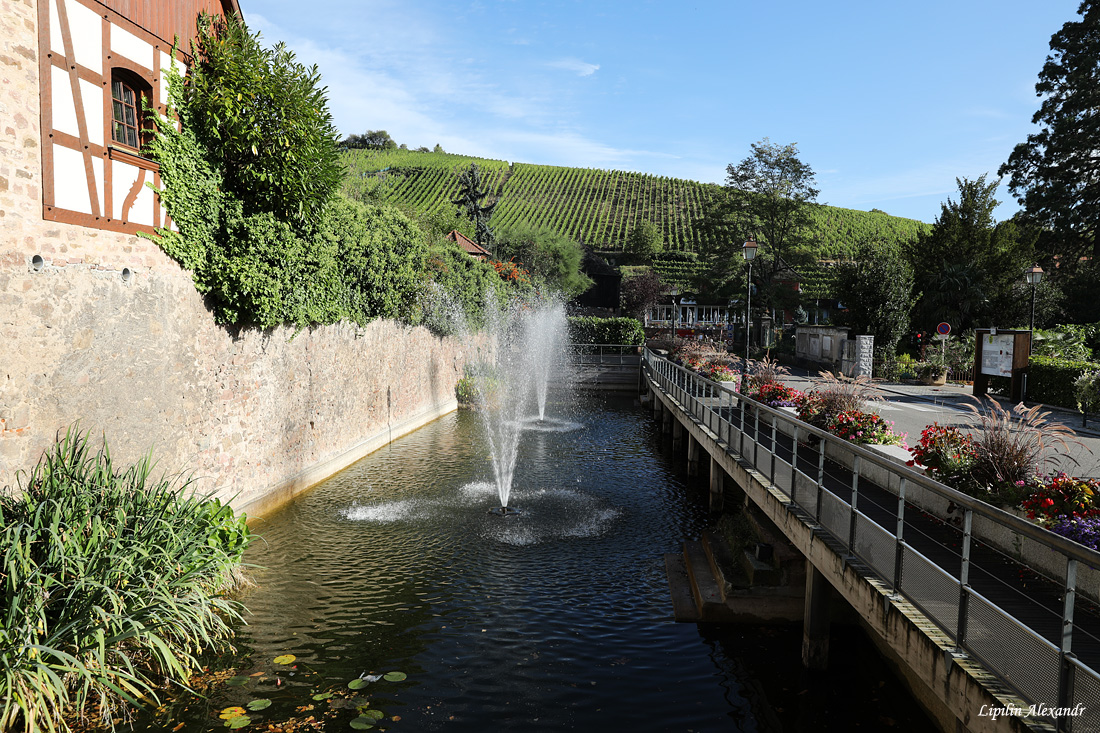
{"x": 933, "y": 372}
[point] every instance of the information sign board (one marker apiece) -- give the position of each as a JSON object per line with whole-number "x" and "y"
{"x": 997, "y": 354}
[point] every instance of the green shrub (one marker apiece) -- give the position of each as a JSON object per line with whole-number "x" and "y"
{"x": 594, "y": 330}
{"x": 1050, "y": 380}
{"x": 110, "y": 583}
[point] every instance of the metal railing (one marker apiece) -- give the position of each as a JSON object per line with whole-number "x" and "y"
{"x": 604, "y": 354}
{"x": 1014, "y": 619}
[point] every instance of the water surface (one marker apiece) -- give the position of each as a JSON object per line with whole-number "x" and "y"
{"x": 557, "y": 619}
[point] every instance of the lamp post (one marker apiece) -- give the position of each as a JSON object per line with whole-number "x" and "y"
{"x": 675, "y": 307}
{"x": 748, "y": 251}
{"x": 1033, "y": 275}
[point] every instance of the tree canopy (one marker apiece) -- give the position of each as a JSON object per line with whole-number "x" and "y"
{"x": 877, "y": 289}
{"x": 371, "y": 140}
{"x": 1055, "y": 174}
{"x": 644, "y": 240}
{"x": 264, "y": 119}
{"x": 553, "y": 259}
{"x": 767, "y": 198}
{"x": 966, "y": 265}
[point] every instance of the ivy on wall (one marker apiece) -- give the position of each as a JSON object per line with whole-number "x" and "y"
{"x": 302, "y": 255}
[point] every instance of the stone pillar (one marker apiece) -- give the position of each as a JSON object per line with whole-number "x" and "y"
{"x": 717, "y": 477}
{"x": 815, "y": 626}
{"x": 865, "y": 356}
{"x": 692, "y": 456}
{"x": 677, "y": 435}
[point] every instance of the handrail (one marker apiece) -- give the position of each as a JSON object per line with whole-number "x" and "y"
{"x": 996, "y": 514}
{"x": 1055, "y": 648}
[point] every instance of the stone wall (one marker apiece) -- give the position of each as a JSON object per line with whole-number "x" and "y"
{"x": 103, "y": 328}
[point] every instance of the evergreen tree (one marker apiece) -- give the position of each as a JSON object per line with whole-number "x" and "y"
{"x": 966, "y": 265}
{"x": 1055, "y": 175}
{"x": 470, "y": 194}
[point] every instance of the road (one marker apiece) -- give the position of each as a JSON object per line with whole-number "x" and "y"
{"x": 912, "y": 407}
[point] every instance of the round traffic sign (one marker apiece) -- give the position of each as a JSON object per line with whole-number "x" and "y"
{"x": 943, "y": 329}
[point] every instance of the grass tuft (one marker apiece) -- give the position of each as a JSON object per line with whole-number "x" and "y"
{"x": 111, "y": 583}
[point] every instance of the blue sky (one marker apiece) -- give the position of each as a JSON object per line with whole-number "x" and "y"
{"x": 887, "y": 101}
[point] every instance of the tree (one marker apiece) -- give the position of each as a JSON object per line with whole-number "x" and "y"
{"x": 966, "y": 265}
{"x": 553, "y": 259}
{"x": 767, "y": 198}
{"x": 641, "y": 292}
{"x": 470, "y": 194}
{"x": 371, "y": 139}
{"x": 645, "y": 240}
{"x": 265, "y": 120}
{"x": 1055, "y": 175}
{"x": 877, "y": 288}
{"x": 438, "y": 148}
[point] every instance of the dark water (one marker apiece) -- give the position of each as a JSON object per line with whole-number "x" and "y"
{"x": 557, "y": 619}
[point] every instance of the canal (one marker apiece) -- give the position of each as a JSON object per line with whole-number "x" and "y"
{"x": 556, "y": 619}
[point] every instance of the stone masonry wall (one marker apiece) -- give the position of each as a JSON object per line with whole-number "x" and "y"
{"x": 136, "y": 357}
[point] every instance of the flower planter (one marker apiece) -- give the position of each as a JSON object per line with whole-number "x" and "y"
{"x": 935, "y": 381}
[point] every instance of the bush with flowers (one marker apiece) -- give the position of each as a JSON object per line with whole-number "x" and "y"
{"x": 857, "y": 426}
{"x": 719, "y": 372}
{"x": 945, "y": 451}
{"x": 1083, "y": 530}
{"x": 1061, "y": 496}
{"x": 775, "y": 394}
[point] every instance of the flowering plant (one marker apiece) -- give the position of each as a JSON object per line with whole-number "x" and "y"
{"x": 720, "y": 372}
{"x": 946, "y": 451}
{"x": 862, "y": 427}
{"x": 775, "y": 394}
{"x": 1063, "y": 496}
{"x": 1084, "y": 530}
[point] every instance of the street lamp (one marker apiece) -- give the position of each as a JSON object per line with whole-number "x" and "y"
{"x": 748, "y": 251}
{"x": 675, "y": 307}
{"x": 1033, "y": 275}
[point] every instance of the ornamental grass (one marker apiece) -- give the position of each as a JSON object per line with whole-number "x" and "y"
{"x": 111, "y": 585}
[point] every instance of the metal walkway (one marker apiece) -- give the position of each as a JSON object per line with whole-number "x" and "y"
{"x": 1009, "y": 594}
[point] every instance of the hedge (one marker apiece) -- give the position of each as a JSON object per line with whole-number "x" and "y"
{"x": 593, "y": 330}
{"x": 1050, "y": 380}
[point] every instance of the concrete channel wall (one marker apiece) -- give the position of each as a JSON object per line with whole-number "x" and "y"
{"x": 953, "y": 688}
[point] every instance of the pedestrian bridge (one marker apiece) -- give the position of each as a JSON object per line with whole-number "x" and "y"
{"x": 991, "y": 619}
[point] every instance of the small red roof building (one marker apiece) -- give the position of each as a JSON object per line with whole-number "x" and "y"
{"x": 471, "y": 247}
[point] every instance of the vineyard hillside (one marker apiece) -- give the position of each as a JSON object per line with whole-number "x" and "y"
{"x": 597, "y": 208}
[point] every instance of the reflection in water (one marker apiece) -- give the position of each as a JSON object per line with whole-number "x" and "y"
{"x": 557, "y": 619}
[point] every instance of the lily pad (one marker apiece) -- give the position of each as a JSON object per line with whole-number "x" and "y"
{"x": 357, "y": 684}
{"x": 238, "y": 681}
{"x": 234, "y": 712}
{"x": 238, "y": 722}
{"x": 362, "y": 723}
{"x": 372, "y": 713}
{"x": 322, "y": 696}
{"x": 285, "y": 659}
{"x": 395, "y": 676}
{"x": 261, "y": 704}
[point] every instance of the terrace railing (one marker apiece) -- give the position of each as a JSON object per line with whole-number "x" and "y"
{"x": 1025, "y": 623}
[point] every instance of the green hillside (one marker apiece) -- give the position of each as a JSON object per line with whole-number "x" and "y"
{"x": 595, "y": 207}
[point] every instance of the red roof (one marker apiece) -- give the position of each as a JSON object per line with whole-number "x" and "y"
{"x": 472, "y": 248}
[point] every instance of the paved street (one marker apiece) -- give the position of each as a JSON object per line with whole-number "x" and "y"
{"x": 913, "y": 406}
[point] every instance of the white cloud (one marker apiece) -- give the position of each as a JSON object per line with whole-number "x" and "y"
{"x": 580, "y": 68}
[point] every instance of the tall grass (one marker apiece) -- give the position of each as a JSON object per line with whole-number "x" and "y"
{"x": 111, "y": 583}
{"x": 1014, "y": 444}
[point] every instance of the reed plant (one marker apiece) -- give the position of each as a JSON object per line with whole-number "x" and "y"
{"x": 112, "y": 583}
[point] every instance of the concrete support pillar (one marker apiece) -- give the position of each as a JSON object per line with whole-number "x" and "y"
{"x": 677, "y": 435}
{"x": 717, "y": 478}
{"x": 666, "y": 421}
{"x": 815, "y": 626}
{"x": 693, "y": 456}
{"x": 656, "y": 405}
